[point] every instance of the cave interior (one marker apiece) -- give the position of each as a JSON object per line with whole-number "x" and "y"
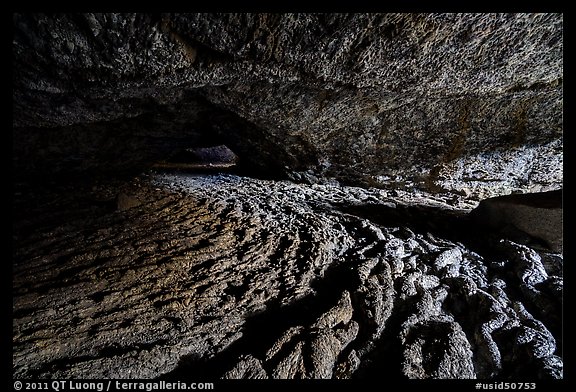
{"x": 287, "y": 196}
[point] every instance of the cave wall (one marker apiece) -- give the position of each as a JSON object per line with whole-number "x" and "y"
{"x": 462, "y": 102}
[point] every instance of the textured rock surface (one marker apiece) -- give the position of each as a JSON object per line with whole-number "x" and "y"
{"x": 464, "y": 102}
{"x": 225, "y": 276}
{"x": 525, "y": 217}
{"x": 189, "y": 276}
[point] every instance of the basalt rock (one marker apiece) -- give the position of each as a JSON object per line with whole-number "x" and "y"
{"x": 462, "y": 102}
{"x": 525, "y": 217}
{"x": 265, "y": 196}
{"x": 220, "y": 276}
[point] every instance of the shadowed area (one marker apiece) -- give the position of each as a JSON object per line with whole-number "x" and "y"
{"x": 211, "y": 275}
{"x": 202, "y": 196}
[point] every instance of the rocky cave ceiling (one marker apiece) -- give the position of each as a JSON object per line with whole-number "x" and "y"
{"x": 469, "y": 103}
{"x": 224, "y": 196}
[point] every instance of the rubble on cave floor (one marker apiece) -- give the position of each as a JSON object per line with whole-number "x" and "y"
{"x": 220, "y": 276}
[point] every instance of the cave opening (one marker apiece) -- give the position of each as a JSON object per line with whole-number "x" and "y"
{"x": 211, "y": 158}
{"x": 291, "y": 196}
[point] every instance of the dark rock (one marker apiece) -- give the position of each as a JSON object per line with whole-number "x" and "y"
{"x": 248, "y": 368}
{"x": 175, "y": 286}
{"x": 125, "y": 201}
{"x": 523, "y": 217}
{"x": 393, "y": 126}
{"x": 466, "y": 102}
{"x": 438, "y": 350}
{"x": 313, "y": 352}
